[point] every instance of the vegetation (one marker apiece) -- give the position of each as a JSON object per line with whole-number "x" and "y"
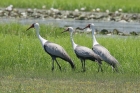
{"x": 25, "y": 67}
{"x": 113, "y": 5}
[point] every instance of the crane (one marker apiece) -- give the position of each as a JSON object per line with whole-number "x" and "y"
{"x": 102, "y": 51}
{"x": 82, "y": 52}
{"x": 53, "y": 49}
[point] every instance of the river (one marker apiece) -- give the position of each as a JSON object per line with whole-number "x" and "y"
{"x": 99, "y": 25}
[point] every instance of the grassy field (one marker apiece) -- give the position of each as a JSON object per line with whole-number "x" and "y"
{"x": 113, "y": 5}
{"x": 26, "y": 68}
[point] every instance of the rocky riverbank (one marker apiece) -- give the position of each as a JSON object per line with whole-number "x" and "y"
{"x": 95, "y": 15}
{"x": 118, "y": 16}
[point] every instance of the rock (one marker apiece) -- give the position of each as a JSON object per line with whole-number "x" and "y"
{"x": 134, "y": 16}
{"x": 123, "y": 34}
{"x": 91, "y": 16}
{"x": 117, "y": 13}
{"x": 44, "y": 6}
{"x": 14, "y": 14}
{"x": 95, "y": 14}
{"x": 122, "y": 21}
{"x": 76, "y": 10}
{"x": 120, "y": 10}
{"x": 15, "y": 10}
{"x": 107, "y": 11}
{"x": 133, "y": 33}
{"x": 83, "y": 9}
{"x": 70, "y": 15}
{"x": 29, "y": 10}
{"x": 82, "y": 17}
{"x": 97, "y": 9}
{"x": 9, "y": 8}
{"x": 58, "y": 13}
{"x": 1, "y": 13}
{"x": 23, "y": 14}
{"x": 76, "y": 14}
{"x": 93, "y": 10}
{"x": 104, "y": 32}
{"x": 54, "y": 10}
{"x": 98, "y": 16}
{"x": 115, "y": 32}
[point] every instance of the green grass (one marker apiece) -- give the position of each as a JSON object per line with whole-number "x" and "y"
{"x": 72, "y": 83}
{"x": 26, "y": 68}
{"x": 113, "y": 5}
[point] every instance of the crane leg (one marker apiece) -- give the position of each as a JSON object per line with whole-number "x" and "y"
{"x": 114, "y": 69}
{"x": 84, "y": 65}
{"x": 100, "y": 67}
{"x": 58, "y": 64}
{"x": 52, "y": 64}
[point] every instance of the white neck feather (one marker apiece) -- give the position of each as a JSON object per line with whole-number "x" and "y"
{"x": 72, "y": 41}
{"x": 93, "y": 37}
{"x": 42, "y": 40}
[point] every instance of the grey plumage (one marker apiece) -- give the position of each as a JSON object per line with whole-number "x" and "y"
{"x": 84, "y": 53}
{"x": 54, "y": 50}
{"x": 103, "y": 53}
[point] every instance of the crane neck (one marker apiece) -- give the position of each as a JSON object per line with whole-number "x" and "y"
{"x": 42, "y": 40}
{"x": 72, "y": 41}
{"x": 93, "y": 37}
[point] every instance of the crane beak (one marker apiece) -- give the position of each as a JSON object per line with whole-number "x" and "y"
{"x": 32, "y": 26}
{"x": 79, "y": 28}
{"x": 65, "y": 30}
{"x": 88, "y": 26}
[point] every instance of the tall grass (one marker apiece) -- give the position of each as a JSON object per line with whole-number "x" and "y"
{"x": 112, "y": 5}
{"x": 25, "y": 67}
{"x": 23, "y": 47}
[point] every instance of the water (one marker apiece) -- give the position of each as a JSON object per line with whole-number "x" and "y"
{"x": 99, "y": 25}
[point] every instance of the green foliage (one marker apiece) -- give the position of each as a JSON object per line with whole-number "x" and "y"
{"x": 19, "y": 46}
{"x": 112, "y": 5}
{"x": 25, "y": 67}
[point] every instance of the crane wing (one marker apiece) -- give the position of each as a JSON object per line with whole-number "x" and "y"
{"x": 56, "y": 50}
{"x": 83, "y": 51}
{"x": 104, "y": 54}
{"x": 100, "y": 50}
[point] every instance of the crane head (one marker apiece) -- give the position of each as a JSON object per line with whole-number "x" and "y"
{"x": 66, "y": 30}
{"x": 32, "y": 26}
{"x": 89, "y": 26}
{"x": 79, "y": 28}
{"x": 70, "y": 29}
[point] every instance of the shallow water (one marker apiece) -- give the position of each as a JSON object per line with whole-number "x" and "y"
{"x": 99, "y": 25}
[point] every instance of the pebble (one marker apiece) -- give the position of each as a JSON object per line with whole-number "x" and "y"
{"x": 77, "y": 14}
